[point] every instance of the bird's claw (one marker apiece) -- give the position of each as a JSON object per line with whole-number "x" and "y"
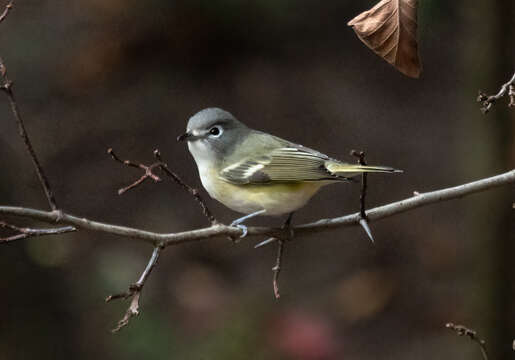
{"x": 243, "y": 229}
{"x": 265, "y": 242}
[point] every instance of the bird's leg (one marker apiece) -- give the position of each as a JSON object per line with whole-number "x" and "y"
{"x": 238, "y": 222}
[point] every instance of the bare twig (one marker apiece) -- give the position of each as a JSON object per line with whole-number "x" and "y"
{"x": 7, "y": 86}
{"x": 488, "y": 100}
{"x": 8, "y": 7}
{"x": 361, "y": 160}
{"x": 363, "y": 193}
{"x": 277, "y": 268}
{"x": 24, "y": 233}
{"x": 160, "y": 164}
{"x": 280, "y": 250}
{"x": 471, "y": 334}
{"x": 194, "y": 192}
{"x": 134, "y": 291}
{"x": 220, "y": 230}
{"x": 147, "y": 175}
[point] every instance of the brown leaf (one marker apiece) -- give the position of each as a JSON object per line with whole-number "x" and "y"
{"x": 390, "y": 30}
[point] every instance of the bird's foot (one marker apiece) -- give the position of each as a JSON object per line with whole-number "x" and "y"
{"x": 243, "y": 228}
{"x": 238, "y": 222}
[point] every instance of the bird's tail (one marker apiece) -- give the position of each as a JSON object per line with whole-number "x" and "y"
{"x": 341, "y": 168}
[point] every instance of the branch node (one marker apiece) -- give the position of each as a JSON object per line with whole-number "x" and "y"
{"x": 149, "y": 174}
{"x": 487, "y": 101}
{"x": 471, "y": 334}
{"x": 134, "y": 291}
{"x": 26, "y": 232}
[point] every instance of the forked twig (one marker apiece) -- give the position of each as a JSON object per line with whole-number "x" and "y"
{"x": 194, "y": 192}
{"x": 471, "y": 334}
{"x": 134, "y": 291}
{"x": 24, "y": 233}
{"x": 488, "y": 100}
{"x": 149, "y": 174}
{"x": 280, "y": 250}
{"x": 147, "y": 169}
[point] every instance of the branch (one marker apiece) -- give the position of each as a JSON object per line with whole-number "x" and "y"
{"x": 488, "y": 100}
{"x": 7, "y": 87}
{"x": 220, "y": 230}
{"x": 8, "y": 7}
{"x": 465, "y": 331}
{"x": 194, "y": 192}
{"x": 24, "y": 233}
{"x": 135, "y": 291}
{"x": 150, "y": 175}
{"x": 362, "y": 196}
{"x": 147, "y": 175}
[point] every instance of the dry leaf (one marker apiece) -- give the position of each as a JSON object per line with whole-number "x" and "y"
{"x": 390, "y": 30}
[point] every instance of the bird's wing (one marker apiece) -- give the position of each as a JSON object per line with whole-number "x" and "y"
{"x": 284, "y": 164}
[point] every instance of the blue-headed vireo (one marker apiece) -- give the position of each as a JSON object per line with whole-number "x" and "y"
{"x": 256, "y": 173}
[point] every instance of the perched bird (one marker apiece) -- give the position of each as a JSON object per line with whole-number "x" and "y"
{"x": 256, "y": 173}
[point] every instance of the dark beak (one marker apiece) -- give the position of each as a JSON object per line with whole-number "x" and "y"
{"x": 184, "y": 136}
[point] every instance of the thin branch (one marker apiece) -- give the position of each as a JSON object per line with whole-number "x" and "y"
{"x": 488, "y": 100}
{"x": 8, "y": 7}
{"x": 194, "y": 192}
{"x": 277, "y": 268}
{"x": 7, "y": 87}
{"x": 134, "y": 292}
{"x": 220, "y": 230}
{"x": 363, "y": 193}
{"x": 24, "y": 233}
{"x": 148, "y": 174}
{"x": 147, "y": 169}
{"x": 472, "y": 334}
{"x": 280, "y": 250}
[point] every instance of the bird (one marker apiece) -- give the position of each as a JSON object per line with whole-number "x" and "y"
{"x": 256, "y": 173}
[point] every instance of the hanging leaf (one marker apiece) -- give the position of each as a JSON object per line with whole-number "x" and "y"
{"x": 390, "y": 30}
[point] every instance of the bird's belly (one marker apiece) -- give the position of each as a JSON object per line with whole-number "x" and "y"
{"x": 276, "y": 199}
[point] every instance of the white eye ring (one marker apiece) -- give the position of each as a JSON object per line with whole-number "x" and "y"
{"x": 216, "y": 131}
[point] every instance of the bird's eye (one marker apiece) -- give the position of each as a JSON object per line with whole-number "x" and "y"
{"x": 215, "y": 131}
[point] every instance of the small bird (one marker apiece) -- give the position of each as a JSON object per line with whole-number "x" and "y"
{"x": 256, "y": 173}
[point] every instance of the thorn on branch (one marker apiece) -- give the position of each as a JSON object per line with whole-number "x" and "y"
{"x": 487, "y": 101}
{"x": 134, "y": 291}
{"x": 471, "y": 334}
{"x": 363, "y": 193}
{"x": 24, "y": 233}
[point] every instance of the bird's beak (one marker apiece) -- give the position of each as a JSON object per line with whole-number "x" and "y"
{"x": 184, "y": 136}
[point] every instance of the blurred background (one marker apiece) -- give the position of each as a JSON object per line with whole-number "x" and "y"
{"x": 93, "y": 74}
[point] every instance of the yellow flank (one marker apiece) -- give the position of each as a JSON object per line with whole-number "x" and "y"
{"x": 276, "y": 199}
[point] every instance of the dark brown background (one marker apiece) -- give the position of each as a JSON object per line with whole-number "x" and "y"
{"x": 128, "y": 74}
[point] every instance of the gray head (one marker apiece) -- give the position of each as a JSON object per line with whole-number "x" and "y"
{"x": 212, "y": 134}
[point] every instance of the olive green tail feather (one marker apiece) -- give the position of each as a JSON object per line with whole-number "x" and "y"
{"x": 341, "y": 168}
